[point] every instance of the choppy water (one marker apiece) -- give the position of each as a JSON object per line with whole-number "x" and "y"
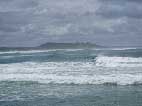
{"x": 71, "y": 77}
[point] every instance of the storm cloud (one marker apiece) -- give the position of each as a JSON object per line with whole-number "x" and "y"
{"x": 106, "y": 22}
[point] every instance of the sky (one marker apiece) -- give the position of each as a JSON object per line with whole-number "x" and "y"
{"x": 104, "y": 22}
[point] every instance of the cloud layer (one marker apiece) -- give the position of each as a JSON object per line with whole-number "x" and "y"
{"x": 106, "y": 22}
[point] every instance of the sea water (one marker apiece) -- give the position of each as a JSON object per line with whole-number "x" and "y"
{"x": 71, "y": 77}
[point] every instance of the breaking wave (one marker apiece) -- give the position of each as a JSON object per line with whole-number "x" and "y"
{"x": 113, "y": 66}
{"x": 106, "y": 61}
{"x": 70, "y": 73}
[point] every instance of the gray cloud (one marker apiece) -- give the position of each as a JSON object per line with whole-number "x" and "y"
{"x": 121, "y": 1}
{"x": 121, "y": 9}
{"x": 106, "y": 22}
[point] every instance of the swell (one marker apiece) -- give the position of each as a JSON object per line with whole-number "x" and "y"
{"x": 47, "y": 56}
{"x": 66, "y": 55}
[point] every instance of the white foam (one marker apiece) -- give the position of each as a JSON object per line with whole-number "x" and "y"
{"x": 69, "y": 72}
{"x": 122, "y": 48}
{"x": 84, "y": 79}
{"x": 105, "y": 61}
{"x": 37, "y": 51}
{"x": 28, "y": 51}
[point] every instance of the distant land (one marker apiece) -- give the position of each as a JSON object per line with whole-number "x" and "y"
{"x": 68, "y": 45}
{"x": 52, "y": 45}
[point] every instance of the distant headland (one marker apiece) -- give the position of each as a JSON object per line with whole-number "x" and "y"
{"x": 81, "y": 45}
{"x": 54, "y": 45}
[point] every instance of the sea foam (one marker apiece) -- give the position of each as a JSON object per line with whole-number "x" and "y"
{"x": 70, "y": 73}
{"x": 106, "y": 61}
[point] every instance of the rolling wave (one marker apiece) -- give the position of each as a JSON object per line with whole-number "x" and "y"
{"x": 116, "y": 66}
{"x": 70, "y": 73}
{"x": 106, "y": 61}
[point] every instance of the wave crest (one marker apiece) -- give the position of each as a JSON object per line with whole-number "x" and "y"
{"x": 105, "y": 61}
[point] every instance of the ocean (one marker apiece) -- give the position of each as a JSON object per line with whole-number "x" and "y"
{"x": 71, "y": 77}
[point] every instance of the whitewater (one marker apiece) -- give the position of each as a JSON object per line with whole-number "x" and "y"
{"x": 101, "y": 66}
